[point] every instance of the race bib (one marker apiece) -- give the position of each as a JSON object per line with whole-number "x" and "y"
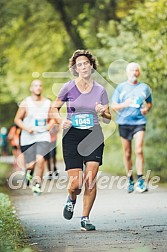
{"x": 135, "y": 102}
{"x": 82, "y": 121}
{"x": 40, "y": 122}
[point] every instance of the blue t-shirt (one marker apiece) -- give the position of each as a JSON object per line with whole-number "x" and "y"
{"x": 138, "y": 94}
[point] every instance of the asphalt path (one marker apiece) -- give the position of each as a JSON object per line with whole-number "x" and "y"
{"x": 125, "y": 222}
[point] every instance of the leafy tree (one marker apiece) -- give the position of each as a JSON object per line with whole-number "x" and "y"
{"x": 33, "y": 40}
{"x": 141, "y": 37}
{"x": 39, "y": 36}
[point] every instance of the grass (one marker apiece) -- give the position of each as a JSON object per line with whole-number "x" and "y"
{"x": 4, "y": 170}
{"x": 163, "y": 185}
{"x": 12, "y": 234}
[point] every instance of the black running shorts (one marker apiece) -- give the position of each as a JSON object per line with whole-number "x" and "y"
{"x": 81, "y": 146}
{"x": 128, "y": 131}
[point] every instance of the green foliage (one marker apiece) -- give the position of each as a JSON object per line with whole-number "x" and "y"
{"x": 12, "y": 234}
{"x": 4, "y": 170}
{"x": 9, "y": 109}
{"x": 41, "y": 36}
{"x": 34, "y": 40}
{"x": 142, "y": 37}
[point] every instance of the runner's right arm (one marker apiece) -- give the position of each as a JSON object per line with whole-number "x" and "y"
{"x": 20, "y": 116}
{"x": 56, "y": 115}
{"x": 118, "y": 106}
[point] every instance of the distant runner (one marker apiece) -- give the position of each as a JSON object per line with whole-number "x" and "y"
{"x": 132, "y": 100}
{"x": 32, "y": 118}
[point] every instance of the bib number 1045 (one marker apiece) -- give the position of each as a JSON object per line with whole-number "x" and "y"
{"x": 82, "y": 121}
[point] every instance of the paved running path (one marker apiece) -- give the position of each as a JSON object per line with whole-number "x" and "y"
{"x": 124, "y": 222}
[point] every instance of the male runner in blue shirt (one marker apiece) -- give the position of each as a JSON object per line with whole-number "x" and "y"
{"x": 132, "y": 100}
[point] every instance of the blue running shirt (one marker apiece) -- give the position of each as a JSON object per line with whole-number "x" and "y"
{"x": 138, "y": 94}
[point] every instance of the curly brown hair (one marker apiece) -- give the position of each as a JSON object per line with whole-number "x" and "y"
{"x": 76, "y": 54}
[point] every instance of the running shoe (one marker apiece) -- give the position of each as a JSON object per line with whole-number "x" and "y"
{"x": 55, "y": 174}
{"x": 86, "y": 225}
{"x": 140, "y": 186}
{"x": 36, "y": 189}
{"x": 68, "y": 209}
{"x": 49, "y": 176}
{"x": 28, "y": 178}
{"x": 130, "y": 186}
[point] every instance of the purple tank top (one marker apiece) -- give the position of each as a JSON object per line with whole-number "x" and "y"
{"x": 79, "y": 103}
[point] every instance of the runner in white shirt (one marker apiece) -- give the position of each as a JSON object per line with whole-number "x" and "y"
{"x": 32, "y": 117}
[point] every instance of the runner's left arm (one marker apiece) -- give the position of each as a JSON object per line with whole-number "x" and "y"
{"x": 104, "y": 112}
{"x": 146, "y": 108}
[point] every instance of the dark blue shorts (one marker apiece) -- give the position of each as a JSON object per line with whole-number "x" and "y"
{"x": 128, "y": 131}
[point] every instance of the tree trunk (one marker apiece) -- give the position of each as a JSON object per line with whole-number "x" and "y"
{"x": 59, "y": 6}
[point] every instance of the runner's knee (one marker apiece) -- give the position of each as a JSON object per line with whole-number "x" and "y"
{"x": 90, "y": 186}
{"x": 127, "y": 154}
{"x": 74, "y": 186}
{"x": 40, "y": 160}
{"x": 138, "y": 152}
